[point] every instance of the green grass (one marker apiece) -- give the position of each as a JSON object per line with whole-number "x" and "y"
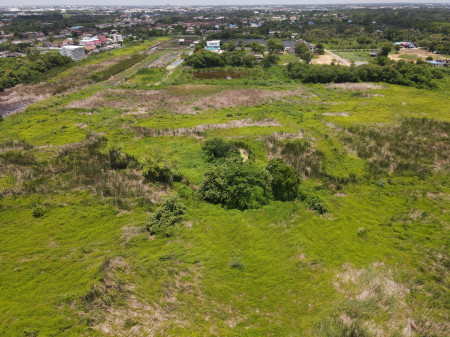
{"x": 355, "y": 56}
{"x": 276, "y": 270}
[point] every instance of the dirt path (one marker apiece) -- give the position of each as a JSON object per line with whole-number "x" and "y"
{"x": 340, "y": 59}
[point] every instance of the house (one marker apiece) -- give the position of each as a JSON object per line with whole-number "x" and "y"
{"x": 68, "y": 41}
{"x": 213, "y": 45}
{"x": 74, "y": 52}
{"x": 405, "y": 44}
{"x": 117, "y": 38}
{"x": 181, "y": 41}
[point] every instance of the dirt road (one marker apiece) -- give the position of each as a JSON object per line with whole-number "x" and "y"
{"x": 340, "y": 60}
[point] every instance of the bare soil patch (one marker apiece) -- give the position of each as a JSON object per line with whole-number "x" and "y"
{"x": 324, "y": 59}
{"x": 417, "y": 53}
{"x": 335, "y": 114}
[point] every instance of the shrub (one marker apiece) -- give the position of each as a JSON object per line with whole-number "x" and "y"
{"x": 314, "y": 202}
{"x": 155, "y": 169}
{"x": 237, "y": 263}
{"x": 38, "y": 211}
{"x": 285, "y": 180}
{"x": 219, "y": 148}
{"x": 169, "y": 214}
{"x": 117, "y": 159}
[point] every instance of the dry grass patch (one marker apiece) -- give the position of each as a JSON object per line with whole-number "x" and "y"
{"x": 157, "y": 100}
{"x": 15, "y": 99}
{"x": 197, "y": 131}
{"x": 113, "y": 307}
{"x": 355, "y": 86}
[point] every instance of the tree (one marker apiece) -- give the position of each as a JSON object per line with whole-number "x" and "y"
{"x": 256, "y": 47}
{"x": 320, "y": 49}
{"x": 204, "y": 59}
{"x": 269, "y": 60}
{"x": 385, "y": 50}
{"x": 229, "y": 46}
{"x": 275, "y": 45}
{"x": 285, "y": 180}
{"x": 302, "y": 50}
{"x": 237, "y": 184}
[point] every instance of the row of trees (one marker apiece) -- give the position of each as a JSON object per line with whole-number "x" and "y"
{"x": 403, "y": 73}
{"x": 17, "y": 70}
{"x": 208, "y": 59}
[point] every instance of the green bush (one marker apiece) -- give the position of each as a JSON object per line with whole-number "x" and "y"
{"x": 314, "y": 202}
{"x": 236, "y": 184}
{"x": 169, "y": 214}
{"x": 285, "y": 180}
{"x": 155, "y": 169}
{"x": 208, "y": 59}
{"x": 118, "y": 160}
{"x": 38, "y": 211}
{"x": 219, "y": 148}
{"x": 237, "y": 263}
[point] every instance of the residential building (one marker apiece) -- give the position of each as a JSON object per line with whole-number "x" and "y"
{"x": 213, "y": 45}
{"x": 74, "y": 52}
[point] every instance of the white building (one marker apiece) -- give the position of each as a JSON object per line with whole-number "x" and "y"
{"x": 213, "y": 45}
{"x": 117, "y": 38}
{"x": 74, "y": 52}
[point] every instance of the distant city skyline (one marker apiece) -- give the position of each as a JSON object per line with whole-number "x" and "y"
{"x": 17, "y": 3}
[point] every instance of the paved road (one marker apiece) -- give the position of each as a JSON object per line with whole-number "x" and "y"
{"x": 341, "y": 60}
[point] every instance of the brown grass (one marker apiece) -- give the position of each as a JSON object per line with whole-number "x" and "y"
{"x": 355, "y": 86}
{"x": 76, "y": 79}
{"x": 196, "y": 131}
{"x": 163, "y": 100}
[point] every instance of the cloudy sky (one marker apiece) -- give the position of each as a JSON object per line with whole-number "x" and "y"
{"x": 199, "y": 2}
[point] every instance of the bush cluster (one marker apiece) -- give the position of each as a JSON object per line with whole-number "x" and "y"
{"x": 208, "y": 59}
{"x": 402, "y": 73}
{"x": 155, "y": 169}
{"x": 244, "y": 185}
{"x": 20, "y": 69}
{"x": 116, "y": 68}
{"x": 166, "y": 217}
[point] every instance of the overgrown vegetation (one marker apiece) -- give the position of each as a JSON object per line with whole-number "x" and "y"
{"x": 403, "y": 73}
{"x": 117, "y": 68}
{"x": 17, "y": 70}
{"x": 166, "y": 217}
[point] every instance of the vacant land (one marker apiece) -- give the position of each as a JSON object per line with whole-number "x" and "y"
{"x": 414, "y": 54}
{"x": 362, "y": 251}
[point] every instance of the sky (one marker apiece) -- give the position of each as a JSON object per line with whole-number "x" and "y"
{"x": 200, "y": 2}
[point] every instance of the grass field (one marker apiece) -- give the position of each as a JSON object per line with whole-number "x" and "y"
{"x": 355, "y": 56}
{"x": 76, "y": 259}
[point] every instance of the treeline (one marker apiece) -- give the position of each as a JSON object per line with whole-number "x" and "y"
{"x": 402, "y": 73}
{"x": 208, "y": 59}
{"x": 17, "y": 70}
{"x": 103, "y": 75}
